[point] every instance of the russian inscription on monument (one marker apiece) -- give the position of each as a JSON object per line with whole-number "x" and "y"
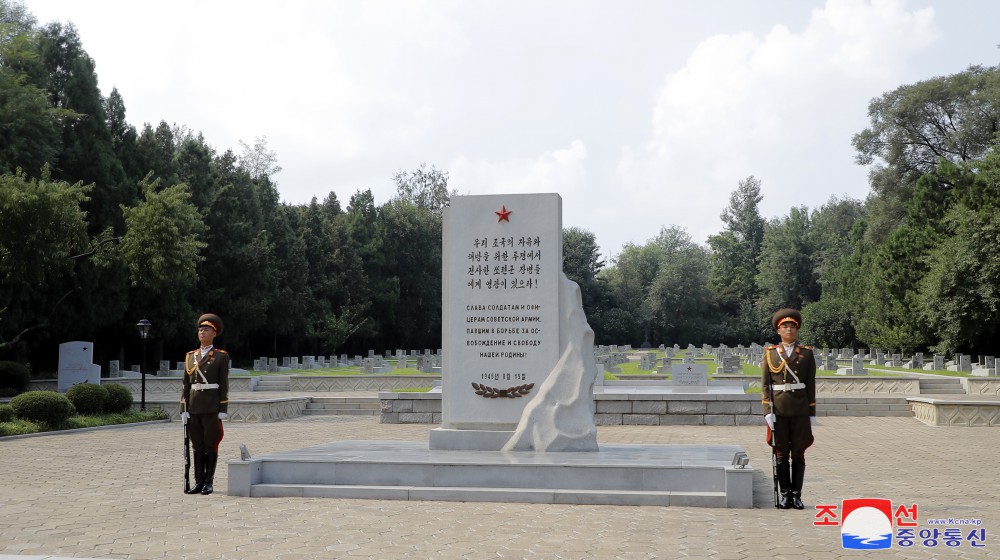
{"x": 501, "y": 267}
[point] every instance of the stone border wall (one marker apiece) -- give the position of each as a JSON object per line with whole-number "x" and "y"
{"x": 410, "y": 408}
{"x": 848, "y": 385}
{"x": 941, "y": 412}
{"x": 981, "y": 385}
{"x": 355, "y": 383}
{"x": 259, "y": 410}
{"x": 612, "y": 409}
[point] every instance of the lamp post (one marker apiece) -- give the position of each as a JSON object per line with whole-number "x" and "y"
{"x": 143, "y": 326}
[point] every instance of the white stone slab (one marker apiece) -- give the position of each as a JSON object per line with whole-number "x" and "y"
{"x": 501, "y": 266}
{"x": 76, "y": 365}
{"x": 689, "y": 378}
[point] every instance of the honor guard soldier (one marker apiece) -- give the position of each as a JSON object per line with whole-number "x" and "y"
{"x": 788, "y": 389}
{"x": 205, "y": 400}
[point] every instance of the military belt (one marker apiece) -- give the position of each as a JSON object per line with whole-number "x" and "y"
{"x": 788, "y": 387}
{"x": 204, "y": 386}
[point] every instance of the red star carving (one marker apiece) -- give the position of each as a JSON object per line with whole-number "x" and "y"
{"x": 504, "y": 215}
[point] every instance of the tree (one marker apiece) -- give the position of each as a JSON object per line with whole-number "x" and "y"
{"x": 124, "y": 139}
{"x": 86, "y": 154}
{"x": 423, "y": 188}
{"x": 960, "y": 295}
{"x": 411, "y": 243}
{"x": 786, "y": 277}
{"x": 679, "y": 296}
{"x": 629, "y": 280}
{"x": 914, "y": 127}
{"x": 258, "y": 160}
{"x": 37, "y": 263}
{"x": 156, "y": 150}
{"x": 161, "y": 243}
{"x": 582, "y": 264}
{"x": 30, "y": 128}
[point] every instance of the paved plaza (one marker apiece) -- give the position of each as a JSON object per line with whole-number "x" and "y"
{"x": 116, "y": 493}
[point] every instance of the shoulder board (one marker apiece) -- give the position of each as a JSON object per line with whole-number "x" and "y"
{"x": 221, "y": 351}
{"x": 192, "y": 352}
{"x": 770, "y": 346}
{"x": 808, "y": 347}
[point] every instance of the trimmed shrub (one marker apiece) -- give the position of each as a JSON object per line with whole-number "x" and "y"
{"x": 14, "y": 378}
{"x": 88, "y": 398}
{"x": 119, "y": 399}
{"x": 6, "y": 413}
{"x": 49, "y": 407}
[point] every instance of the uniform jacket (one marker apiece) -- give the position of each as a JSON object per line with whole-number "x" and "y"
{"x": 215, "y": 367}
{"x": 799, "y": 402}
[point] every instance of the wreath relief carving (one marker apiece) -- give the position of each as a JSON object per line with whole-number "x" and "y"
{"x": 510, "y": 392}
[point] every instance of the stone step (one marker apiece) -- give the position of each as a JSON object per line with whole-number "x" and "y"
{"x": 941, "y": 386}
{"x": 340, "y": 412}
{"x": 475, "y": 494}
{"x": 273, "y": 387}
{"x": 347, "y": 400}
{"x": 618, "y": 474}
{"x": 344, "y": 406}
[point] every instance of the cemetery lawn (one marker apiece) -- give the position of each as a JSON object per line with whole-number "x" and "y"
{"x": 20, "y": 426}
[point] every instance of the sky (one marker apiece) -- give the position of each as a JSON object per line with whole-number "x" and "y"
{"x": 640, "y": 114}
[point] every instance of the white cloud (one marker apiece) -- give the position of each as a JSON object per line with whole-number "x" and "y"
{"x": 561, "y": 170}
{"x": 741, "y": 100}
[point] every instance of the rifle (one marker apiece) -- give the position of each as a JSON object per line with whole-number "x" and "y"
{"x": 774, "y": 449}
{"x": 187, "y": 455}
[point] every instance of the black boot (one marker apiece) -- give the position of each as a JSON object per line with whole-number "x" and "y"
{"x": 199, "y": 473}
{"x": 211, "y": 459}
{"x": 798, "y": 477}
{"x": 785, "y": 484}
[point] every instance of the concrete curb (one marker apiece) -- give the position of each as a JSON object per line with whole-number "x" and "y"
{"x": 77, "y": 430}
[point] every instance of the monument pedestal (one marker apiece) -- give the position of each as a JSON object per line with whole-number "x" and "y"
{"x": 471, "y": 440}
{"x": 623, "y": 474}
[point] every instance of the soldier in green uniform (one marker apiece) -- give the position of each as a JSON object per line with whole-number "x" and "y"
{"x": 788, "y": 389}
{"x": 205, "y": 400}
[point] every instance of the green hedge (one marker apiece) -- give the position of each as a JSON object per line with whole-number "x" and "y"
{"x": 49, "y": 407}
{"x": 6, "y": 413}
{"x": 119, "y": 399}
{"x": 88, "y": 398}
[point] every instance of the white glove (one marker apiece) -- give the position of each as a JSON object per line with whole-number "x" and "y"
{"x": 223, "y": 416}
{"x": 185, "y": 416}
{"x": 814, "y": 421}
{"x": 769, "y": 418}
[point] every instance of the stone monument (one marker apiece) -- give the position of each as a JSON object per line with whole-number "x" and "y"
{"x": 76, "y": 365}
{"x": 517, "y": 394}
{"x": 510, "y": 322}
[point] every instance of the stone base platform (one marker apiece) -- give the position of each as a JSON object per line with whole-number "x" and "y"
{"x": 969, "y": 412}
{"x": 619, "y": 474}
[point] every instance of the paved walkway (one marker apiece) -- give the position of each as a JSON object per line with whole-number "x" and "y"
{"x": 117, "y": 494}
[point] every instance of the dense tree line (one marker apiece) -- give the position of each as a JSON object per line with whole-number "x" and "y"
{"x": 105, "y": 223}
{"x": 915, "y": 266}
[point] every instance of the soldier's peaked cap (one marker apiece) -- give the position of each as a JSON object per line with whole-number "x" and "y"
{"x": 211, "y": 320}
{"x": 785, "y": 315}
